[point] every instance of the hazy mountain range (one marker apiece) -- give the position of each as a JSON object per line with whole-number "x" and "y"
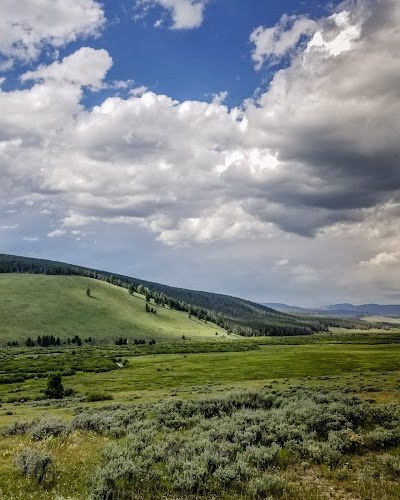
{"x": 341, "y": 309}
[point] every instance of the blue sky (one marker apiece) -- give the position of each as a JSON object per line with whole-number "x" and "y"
{"x": 193, "y": 64}
{"x": 189, "y": 63}
{"x": 244, "y": 147}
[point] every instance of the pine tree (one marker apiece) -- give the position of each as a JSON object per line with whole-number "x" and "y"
{"x": 55, "y": 388}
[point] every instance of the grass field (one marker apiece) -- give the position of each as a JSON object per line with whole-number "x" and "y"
{"x": 368, "y": 372}
{"x": 382, "y": 319}
{"x": 33, "y": 305}
{"x": 171, "y": 428}
{"x": 156, "y": 375}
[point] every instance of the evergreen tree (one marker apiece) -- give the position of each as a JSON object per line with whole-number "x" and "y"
{"x": 55, "y": 388}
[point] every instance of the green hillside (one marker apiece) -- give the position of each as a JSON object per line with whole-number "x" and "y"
{"x": 34, "y": 304}
{"x": 233, "y": 314}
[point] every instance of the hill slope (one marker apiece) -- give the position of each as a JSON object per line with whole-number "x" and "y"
{"x": 33, "y": 305}
{"x": 236, "y": 315}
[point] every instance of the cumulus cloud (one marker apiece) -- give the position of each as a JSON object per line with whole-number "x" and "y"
{"x": 185, "y": 14}
{"x": 276, "y": 42}
{"x": 318, "y": 149}
{"x": 383, "y": 259}
{"x": 85, "y": 67}
{"x": 332, "y": 117}
{"x": 28, "y": 26}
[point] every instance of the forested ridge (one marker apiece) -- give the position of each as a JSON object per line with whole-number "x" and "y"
{"x": 236, "y": 315}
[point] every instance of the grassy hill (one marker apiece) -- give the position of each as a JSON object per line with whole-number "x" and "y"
{"x": 34, "y": 304}
{"x": 237, "y": 315}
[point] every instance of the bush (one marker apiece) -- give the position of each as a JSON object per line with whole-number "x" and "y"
{"x": 47, "y": 427}
{"x": 35, "y": 464}
{"x": 268, "y": 484}
{"x": 393, "y": 464}
{"x": 99, "y": 396}
{"x": 16, "y": 429}
{"x": 261, "y": 456}
{"x": 381, "y": 438}
{"x": 229, "y": 441}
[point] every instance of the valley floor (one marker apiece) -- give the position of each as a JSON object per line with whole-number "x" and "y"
{"x": 293, "y": 418}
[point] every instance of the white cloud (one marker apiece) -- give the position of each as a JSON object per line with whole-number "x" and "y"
{"x": 185, "y": 14}
{"x": 343, "y": 39}
{"x": 30, "y": 238}
{"x": 56, "y": 233}
{"x": 383, "y": 259}
{"x": 198, "y": 172}
{"x": 85, "y": 67}
{"x": 276, "y": 42}
{"x": 9, "y": 226}
{"x": 28, "y": 26}
{"x": 138, "y": 91}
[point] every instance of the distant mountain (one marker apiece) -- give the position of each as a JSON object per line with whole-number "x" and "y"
{"x": 343, "y": 310}
{"x": 285, "y": 308}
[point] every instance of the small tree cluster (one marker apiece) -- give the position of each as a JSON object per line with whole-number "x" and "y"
{"x": 75, "y": 340}
{"x": 48, "y": 341}
{"x": 121, "y": 341}
{"x": 149, "y": 309}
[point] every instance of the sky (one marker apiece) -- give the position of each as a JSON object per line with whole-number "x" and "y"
{"x": 244, "y": 147}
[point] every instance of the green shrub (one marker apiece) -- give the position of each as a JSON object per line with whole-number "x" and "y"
{"x": 393, "y": 464}
{"x": 98, "y": 396}
{"x": 48, "y": 427}
{"x": 16, "y": 429}
{"x": 381, "y": 438}
{"x": 268, "y": 484}
{"x": 262, "y": 456}
{"x": 36, "y": 464}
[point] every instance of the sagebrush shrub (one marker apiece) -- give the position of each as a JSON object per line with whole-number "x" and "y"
{"x": 393, "y": 464}
{"x": 48, "y": 427}
{"x": 36, "y": 464}
{"x": 266, "y": 485}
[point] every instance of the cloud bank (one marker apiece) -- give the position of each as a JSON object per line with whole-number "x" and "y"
{"x": 315, "y": 155}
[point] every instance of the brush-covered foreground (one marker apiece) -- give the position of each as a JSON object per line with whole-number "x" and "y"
{"x": 306, "y": 418}
{"x": 294, "y": 444}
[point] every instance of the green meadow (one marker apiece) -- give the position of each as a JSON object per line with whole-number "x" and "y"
{"x": 199, "y": 414}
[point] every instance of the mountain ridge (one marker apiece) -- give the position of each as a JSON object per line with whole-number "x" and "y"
{"x": 342, "y": 309}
